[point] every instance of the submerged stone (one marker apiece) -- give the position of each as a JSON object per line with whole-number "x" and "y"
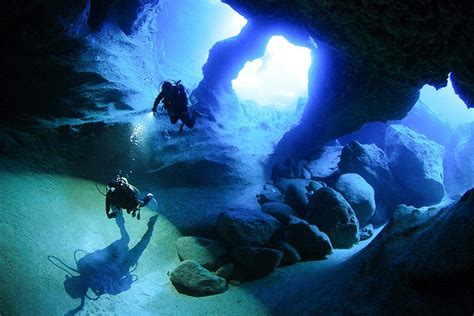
{"x": 257, "y": 261}
{"x": 332, "y": 214}
{"x": 295, "y": 193}
{"x": 417, "y": 164}
{"x": 246, "y": 227}
{"x": 280, "y": 211}
{"x": 314, "y": 186}
{"x": 290, "y": 254}
{"x": 225, "y": 271}
{"x": 202, "y": 250}
{"x": 191, "y": 278}
{"x": 269, "y": 194}
{"x": 326, "y": 162}
{"x": 311, "y": 243}
{"x": 459, "y": 161}
{"x": 366, "y": 232}
{"x": 359, "y": 194}
{"x": 371, "y": 163}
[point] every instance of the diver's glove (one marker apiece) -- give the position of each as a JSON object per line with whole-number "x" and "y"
{"x": 111, "y": 215}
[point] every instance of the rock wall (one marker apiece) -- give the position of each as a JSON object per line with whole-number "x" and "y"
{"x": 372, "y": 57}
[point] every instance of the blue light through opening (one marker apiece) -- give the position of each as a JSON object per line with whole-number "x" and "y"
{"x": 277, "y": 79}
{"x": 448, "y": 104}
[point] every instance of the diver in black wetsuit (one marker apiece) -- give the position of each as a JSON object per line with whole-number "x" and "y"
{"x": 123, "y": 195}
{"x": 175, "y": 102}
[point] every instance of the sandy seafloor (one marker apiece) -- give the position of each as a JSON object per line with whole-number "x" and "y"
{"x": 50, "y": 215}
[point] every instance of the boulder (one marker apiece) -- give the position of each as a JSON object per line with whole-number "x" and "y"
{"x": 314, "y": 186}
{"x": 371, "y": 163}
{"x": 225, "y": 271}
{"x": 246, "y": 227}
{"x": 423, "y": 119}
{"x": 459, "y": 161}
{"x": 366, "y": 232}
{"x": 300, "y": 170}
{"x": 257, "y": 261}
{"x": 283, "y": 183}
{"x": 308, "y": 240}
{"x": 191, "y": 278}
{"x": 239, "y": 274}
{"x": 269, "y": 194}
{"x": 295, "y": 193}
{"x": 417, "y": 165}
{"x": 285, "y": 170}
{"x": 332, "y": 214}
{"x": 202, "y": 250}
{"x": 290, "y": 254}
{"x": 280, "y": 211}
{"x": 325, "y": 162}
{"x": 359, "y": 194}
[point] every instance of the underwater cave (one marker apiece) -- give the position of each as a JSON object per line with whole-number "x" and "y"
{"x": 207, "y": 157}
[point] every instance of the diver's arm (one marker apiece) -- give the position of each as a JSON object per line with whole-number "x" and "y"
{"x": 157, "y": 101}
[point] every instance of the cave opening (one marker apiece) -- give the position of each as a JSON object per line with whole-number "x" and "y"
{"x": 279, "y": 78}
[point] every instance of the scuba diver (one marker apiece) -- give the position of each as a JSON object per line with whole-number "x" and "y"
{"x": 175, "y": 102}
{"x": 123, "y": 195}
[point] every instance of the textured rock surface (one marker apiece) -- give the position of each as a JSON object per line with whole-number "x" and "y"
{"x": 359, "y": 194}
{"x": 257, "y": 261}
{"x": 314, "y": 186}
{"x": 190, "y": 278}
{"x": 290, "y": 254}
{"x": 326, "y": 162}
{"x": 225, "y": 271}
{"x": 377, "y": 42}
{"x": 294, "y": 192}
{"x": 330, "y": 212}
{"x": 422, "y": 118}
{"x": 372, "y": 57}
{"x": 388, "y": 40}
{"x": 202, "y": 250}
{"x": 280, "y": 211}
{"x": 417, "y": 164}
{"x": 283, "y": 183}
{"x": 425, "y": 120}
{"x": 310, "y": 242}
{"x": 269, "y": 194}
{"x": 459, "y": 161}
{"x": 366, "y": 232}
{"x": 246, "y": 227}
{"x": 422, "y": 278}
{"x": 370, "y": 162}
{"x": 296, "y": 196}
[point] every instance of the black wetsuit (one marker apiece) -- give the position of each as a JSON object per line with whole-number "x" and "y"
{"x": 175, "y": 102}
{"x": 122, "y": 195}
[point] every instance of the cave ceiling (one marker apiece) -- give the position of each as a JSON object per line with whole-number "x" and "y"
{"x": 413, "y": 42}
{"x": 373, "y": 57}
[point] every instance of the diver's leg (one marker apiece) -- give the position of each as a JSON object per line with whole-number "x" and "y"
{"x": 188, "y": 119}
{"x": 174, "y": 119}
